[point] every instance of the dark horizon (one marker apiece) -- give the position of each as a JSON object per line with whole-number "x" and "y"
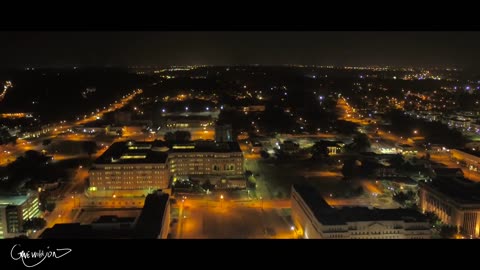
{"x": 337, "y": 48}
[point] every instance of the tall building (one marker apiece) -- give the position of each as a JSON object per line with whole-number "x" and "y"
{"x": 205, "y": 158}
{"x": 154, "y": 220}
{"x": 14, "y": 210}
{"x": 223, "y": 133}
{"x": 456, "y": 201}
{"x": 129, "y": 169}
{"x": 314, "y": 218}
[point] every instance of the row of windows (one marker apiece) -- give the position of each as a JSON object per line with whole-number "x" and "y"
{"x": 375, "y": 233}
{"x": 148, "y": 167}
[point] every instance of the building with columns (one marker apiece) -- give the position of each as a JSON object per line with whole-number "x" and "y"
{"x": 455, "y": 200}
{"x": 314, "y": 218}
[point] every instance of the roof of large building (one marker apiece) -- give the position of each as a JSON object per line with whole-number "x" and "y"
{"x": 470, "y": 152}
{"x": 199, "y": 146}
{"x": 354, "y": 214}
{"x": 12, "y": 199}
{"x": 79, "y": 231}
{"x": 131, "y": 152}
{"x": 157, "y": 151}
{"x": 320, "y": 208}
{"x": 149, "y": 224}
{"x": 328, "y": 215}
{"x": 114, "y": 219}
{"x": 461, "y": 190}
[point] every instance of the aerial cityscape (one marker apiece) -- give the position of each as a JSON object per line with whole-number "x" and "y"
{"x": 228, "y": 149}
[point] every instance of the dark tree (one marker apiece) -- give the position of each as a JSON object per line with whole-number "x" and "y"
{"x": 396, "y": 161}
{"x": 207, "y": 185}
{"x": 264, "y": 154}
{"x": 32, "y": 155}
{"x": 169, "y": 137}
{"x": 349, "y": 168}
{"x": 89, "y": 147}
{"x": 50, "y": 206}
{"x": 177, "y": 136}
{"x": 447, "y": 231}
{"x": 361, "y": 143}
{"x": 319, "y": 151}
{"x": 345, "y": 127}
{"x": 34, "y": 224}
{"x": 400, "y": 197}
{"x": 433, "y": 219}
{"x": 182, "y": 136}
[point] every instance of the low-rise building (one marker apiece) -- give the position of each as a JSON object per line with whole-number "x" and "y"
{"x": 152, "y": 223}
{"x": 456, "y": 201}
{"x": 314, "y": 218}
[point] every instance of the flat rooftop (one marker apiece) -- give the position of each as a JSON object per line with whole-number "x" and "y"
{"x": 131, "y": 152}
{"x": 199, "y": 146}
{"x": 149, "y": 222}
{"x": 327, "y": 215}
{"x": 461, "y": 190}
{"x": 79, "y": 231}
{"x": 114, "y": 219}
{"x": 6, "y": 200}
{"x": 128, "y": 152}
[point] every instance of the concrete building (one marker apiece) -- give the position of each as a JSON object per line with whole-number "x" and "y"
{"x": 456, "y": 201}
{"x": 205, "y": 158}
{"x": 314, "y": 218}
{"x": 14, "y": 210}
{"x": 129, "y": 169}
{"x": 152, "y": 223}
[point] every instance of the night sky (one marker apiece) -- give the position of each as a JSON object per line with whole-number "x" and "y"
{"x": 459, "y": 49}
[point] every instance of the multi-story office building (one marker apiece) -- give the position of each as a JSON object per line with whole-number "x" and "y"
{"x": 455, "y": 200}
{"x": 314, "y": 218}
{"x": 137, "y": 168}
{"x": 14, "y": 210}
{"x": 205, "y": 158}
{"x": 129, "y": 169}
